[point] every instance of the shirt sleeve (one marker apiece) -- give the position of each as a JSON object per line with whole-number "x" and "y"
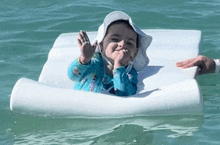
{"x": 125, "y": 84}
{"x": 77, "y": 71}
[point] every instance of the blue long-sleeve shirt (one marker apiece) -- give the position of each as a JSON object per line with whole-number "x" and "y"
{"x": 92, "y": 77}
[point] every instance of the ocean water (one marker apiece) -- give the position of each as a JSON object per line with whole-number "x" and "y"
{"x": 28, "y": 30}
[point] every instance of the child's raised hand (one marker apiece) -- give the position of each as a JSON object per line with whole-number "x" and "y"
{"x": 87, "y": 50}
{"x": 122, "y": 59}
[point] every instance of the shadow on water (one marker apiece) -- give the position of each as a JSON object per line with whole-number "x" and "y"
{"x": 127, "y": 130}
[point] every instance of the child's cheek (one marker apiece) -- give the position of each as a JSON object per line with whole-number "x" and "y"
{"x": 108, "y": 50}
{"x": 107, "y": 53}
{"x": 112, "y": 46}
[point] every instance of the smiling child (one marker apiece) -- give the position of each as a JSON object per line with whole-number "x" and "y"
{"x": 110, "y": 65}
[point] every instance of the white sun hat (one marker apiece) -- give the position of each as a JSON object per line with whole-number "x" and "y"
{"x": 141, "y": 60}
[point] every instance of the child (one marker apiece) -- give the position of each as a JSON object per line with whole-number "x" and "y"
{"x": 110, "y": 65}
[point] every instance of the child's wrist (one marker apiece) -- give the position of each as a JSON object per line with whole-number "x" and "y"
{"x": 117, "y": 65}
{"x": 83, "y": 60}
{"x": 119, "y": 68}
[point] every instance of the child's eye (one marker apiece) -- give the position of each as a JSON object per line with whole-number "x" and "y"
{"x": 130, "y": 44}
{"x": 115, "y": 40}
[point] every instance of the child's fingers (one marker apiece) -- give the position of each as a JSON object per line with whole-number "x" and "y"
{"x": 84, "y": 37}
{"x": 95, "y": 44}
{"x": 80, "y": 36}
{"x": 124, "y": 52}
{"x": 123, "y": 57}
{"x": 79, "y": 42}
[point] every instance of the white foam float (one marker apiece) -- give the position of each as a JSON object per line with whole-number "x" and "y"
{"x": 163, "y": 89}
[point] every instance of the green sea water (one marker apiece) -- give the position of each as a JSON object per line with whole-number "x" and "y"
{"x": 28, "y": 30}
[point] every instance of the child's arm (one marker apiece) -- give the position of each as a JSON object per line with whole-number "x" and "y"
{"x": 80, "y": 67}
{"x": 78, "y": 71}
{"x": 125, "y": 84}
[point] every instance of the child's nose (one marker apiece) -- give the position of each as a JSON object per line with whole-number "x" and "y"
{"x": 121, "y": 43}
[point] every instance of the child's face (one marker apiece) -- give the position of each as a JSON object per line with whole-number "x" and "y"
{"x": 120, "y": 37}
